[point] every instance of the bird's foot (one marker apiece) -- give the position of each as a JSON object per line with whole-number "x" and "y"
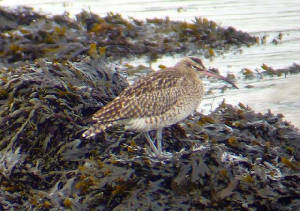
{"x": 165, "y": 155}
{"x": 157, "y": 149}
{"x": 160, "y": 155}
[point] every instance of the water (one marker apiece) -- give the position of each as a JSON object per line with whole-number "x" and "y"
{"x": 269, "y": 17}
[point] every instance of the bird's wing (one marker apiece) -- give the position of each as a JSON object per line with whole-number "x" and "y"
{"x": 151, "y": 95}
{"x": 157, "y": 80}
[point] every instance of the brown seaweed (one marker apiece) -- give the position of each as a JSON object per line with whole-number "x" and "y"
{"x": 56, "y": 72}
{"x": 32, "y": 36}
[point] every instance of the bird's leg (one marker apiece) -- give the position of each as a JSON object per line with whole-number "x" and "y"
{"x": 153, "y": 147}
{"x": 158, "y": 150}
{"x": 158, "y": 140}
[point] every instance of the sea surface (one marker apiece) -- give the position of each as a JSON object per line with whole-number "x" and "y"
{"x": 267, "y": 18}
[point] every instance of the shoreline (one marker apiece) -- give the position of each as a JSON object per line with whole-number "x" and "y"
{"x": 281, "y": 95}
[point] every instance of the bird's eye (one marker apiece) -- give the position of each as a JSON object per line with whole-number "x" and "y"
{"x": 194, "y": 67}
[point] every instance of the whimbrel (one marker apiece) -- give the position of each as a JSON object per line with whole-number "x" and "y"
{"x": 155, "y": 101}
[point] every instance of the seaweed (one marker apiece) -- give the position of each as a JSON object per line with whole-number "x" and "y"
{"x": 61, "y": 38}
{"x": 56, "y": 72}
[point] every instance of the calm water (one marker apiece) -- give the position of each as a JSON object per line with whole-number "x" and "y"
{"x": 268, "y": 17}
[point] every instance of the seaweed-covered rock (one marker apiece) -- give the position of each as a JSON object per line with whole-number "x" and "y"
{"x": 27, "y": 35}
{"x": 11, "y": 19}
{"x": 43, "y": 106}
{"x": 231, "y": 159}
{"x": 268, "y": 71}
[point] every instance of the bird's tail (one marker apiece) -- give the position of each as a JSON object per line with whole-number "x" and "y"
{"x": 95, "y": 129}
{"x": 109, "y": 115}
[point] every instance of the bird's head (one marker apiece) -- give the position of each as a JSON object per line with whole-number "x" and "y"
{"x": 196, "y": 64}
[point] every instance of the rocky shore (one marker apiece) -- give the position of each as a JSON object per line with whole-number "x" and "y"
{"x": 55, "y": 72}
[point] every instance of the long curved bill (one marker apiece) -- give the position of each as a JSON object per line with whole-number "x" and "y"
{"x": 215, "y": 75}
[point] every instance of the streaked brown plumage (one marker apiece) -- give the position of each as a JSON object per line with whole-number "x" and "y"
{"x": 155, "y": 101}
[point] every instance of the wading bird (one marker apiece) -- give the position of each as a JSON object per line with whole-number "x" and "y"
{"x": 155, "y": 101}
